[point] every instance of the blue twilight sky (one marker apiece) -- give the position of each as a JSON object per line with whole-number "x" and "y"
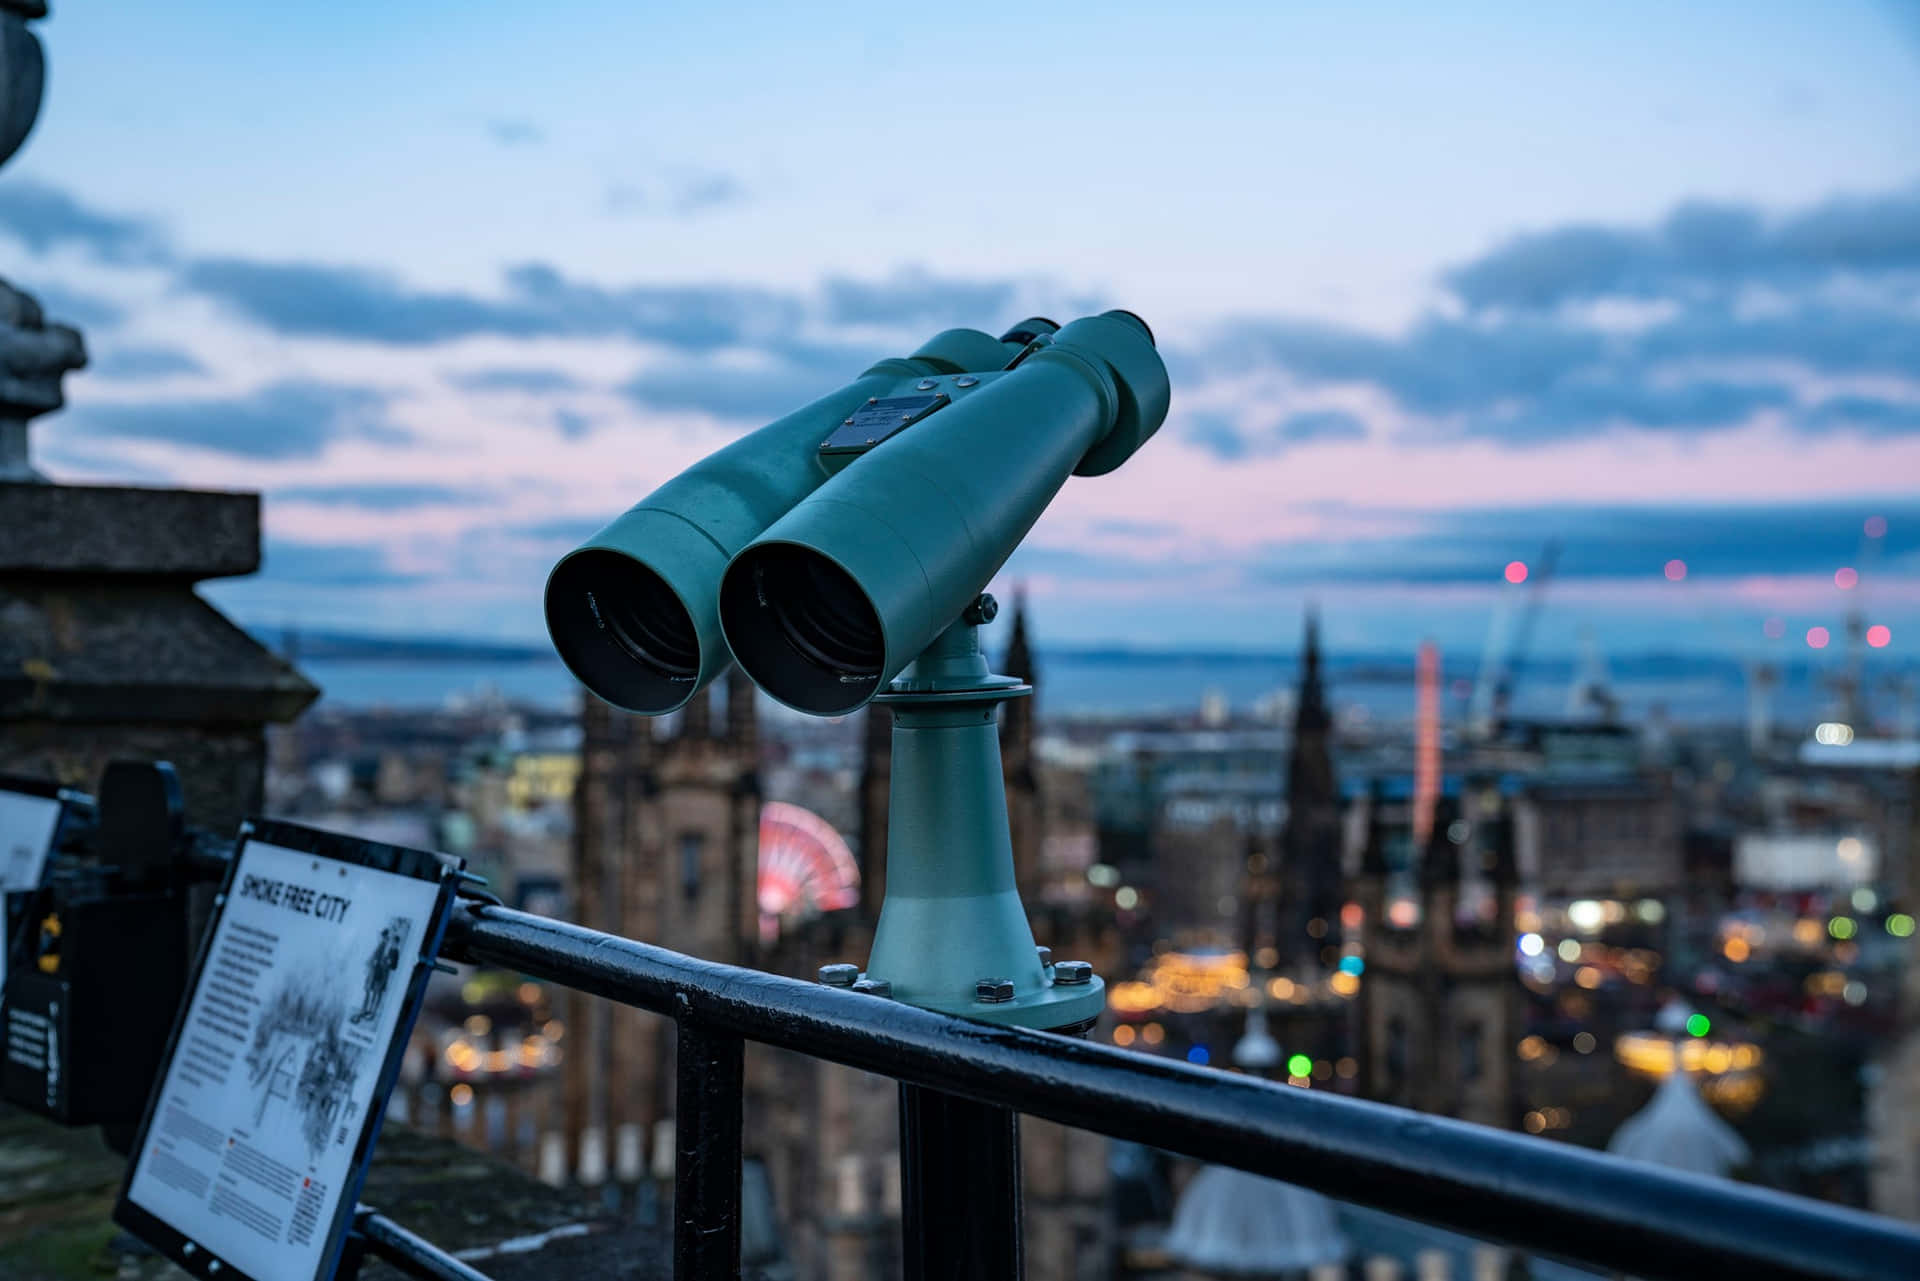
{"x": 451, "y": 284}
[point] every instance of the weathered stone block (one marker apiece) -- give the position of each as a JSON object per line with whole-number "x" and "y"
{"x": 98, "y": 529}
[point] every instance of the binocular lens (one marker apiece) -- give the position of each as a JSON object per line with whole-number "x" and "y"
{"x": 623, "y": 631}
{"x": 802, "y": 628}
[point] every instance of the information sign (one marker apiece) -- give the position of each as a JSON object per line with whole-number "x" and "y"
{"x": 256, "y": 1137}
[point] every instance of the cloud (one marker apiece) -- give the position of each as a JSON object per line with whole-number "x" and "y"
{"x": 284, "y": 420}
{"x": 1220, "y": 436}
{"x": 1698, "y": 248}
{"x": 758, "y": 394}
{"x": 914, "y": 297}
{"x": 683, "y": 195}
{"x": 571, "y": 425}
{"x": 1719, "y": 315}
{"x": 65, "y": 306}
{"x": 515, "y": 133}
{"x": 531, "y": 380}
{"x": 132, "y": 362}
{"x": 358, "y": 565}
{"x": 381, "y": 497}
{"x": 45, "y": 218}
{"x": 1603, "y": 542}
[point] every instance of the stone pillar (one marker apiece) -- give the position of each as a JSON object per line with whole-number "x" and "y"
{"x": 105, "y": 649}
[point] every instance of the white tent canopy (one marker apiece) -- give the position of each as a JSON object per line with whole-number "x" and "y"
{"x": 1679, "y": 1130}
{"x": 1230, "y": 1223}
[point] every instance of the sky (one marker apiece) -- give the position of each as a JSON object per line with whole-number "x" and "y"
{"x": 452, "y": 285}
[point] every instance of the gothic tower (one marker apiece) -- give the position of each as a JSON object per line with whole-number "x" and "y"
{"x": 1309, "y": 879}
{"x": 1440, "y": 1007}
{"x": 1021, "y": 770}
{"x": 666, "y": 849}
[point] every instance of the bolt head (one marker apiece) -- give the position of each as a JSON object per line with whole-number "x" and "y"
{"x": 993, "y": 991}
{"x": 1072, "y": 973}
{"x": 926, "y": 384}
{"x": 874, "y": 987}
{"x": 965, "y": 380}
{"x": 873, "y": 400}
{"x": 841, "y": 975}
{"x": 1046, "y": 955}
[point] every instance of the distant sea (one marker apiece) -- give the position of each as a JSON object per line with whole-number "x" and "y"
{"x": 1689, "y": 690}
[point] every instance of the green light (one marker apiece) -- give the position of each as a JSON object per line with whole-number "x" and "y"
{"x": 1697, "y": 1025}
{"x": 1900, "y": 925}
{"x": 1300, "y": 1065}
{"x": 1841, "y": 927}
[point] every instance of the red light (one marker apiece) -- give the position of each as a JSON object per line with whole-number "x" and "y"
{"x": 1844, "y": 578}
{"x": 1876, "y": 527}
{"x": 1516, "y": 571}
{"x": 1879, "y": 636}
{"x": 1817, "y": 637}
{"x": 1775, "y": 627}
{"x": 1676, "y": 570}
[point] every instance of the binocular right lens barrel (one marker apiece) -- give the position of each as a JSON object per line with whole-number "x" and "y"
{"x": 856, "y": 580}
{"x": 633, "y": 611}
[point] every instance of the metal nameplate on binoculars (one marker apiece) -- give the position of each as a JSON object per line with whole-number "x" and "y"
{"x": 257, "y": 1134}
{"x": 878, "y": 419}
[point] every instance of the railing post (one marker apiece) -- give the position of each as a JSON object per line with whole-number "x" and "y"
{"x": 706, "y": 1176}
{"x": 959, "y": 1188}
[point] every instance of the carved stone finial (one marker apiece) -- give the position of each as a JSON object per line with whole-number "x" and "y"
{"x": 23, "y": 73}
{"x": 34, "y": 357}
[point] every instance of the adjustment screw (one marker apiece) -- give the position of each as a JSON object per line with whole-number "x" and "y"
{"x": 926, "y": 384}
{"x": 873, "y": 400}
{"x": 983, "y": 609}
{"x": 827, "y": 443}
{"x": 1072, "y": 973}
{"x": 1046, "y": 956}
{"x": 993, "y": 991}
{"x": 965, "y": 380}
{"x": 874, "y": 987}
{"x": 842, "y": 975}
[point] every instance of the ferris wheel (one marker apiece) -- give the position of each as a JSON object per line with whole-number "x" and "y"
{"x": 805, "y": 867}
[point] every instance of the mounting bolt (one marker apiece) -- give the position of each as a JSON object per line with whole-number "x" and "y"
{"x": 982, "y": 610}
{"x": 187, "y": 1247}
{"x": 873, "y": 400}
{"x": 1072, "y": 973}
{"x": 965, "y": 380}
{"x": 875, "y": 987}
{"x": 842, "y": 975}
{"x": 1046, "y": 956}
{"x": 926, "y": 384}
{"x": 993, "y": 991}
{"x": 213, "y": 1265}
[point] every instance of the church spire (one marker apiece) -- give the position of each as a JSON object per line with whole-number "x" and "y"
{"x": 1310, "y": 706}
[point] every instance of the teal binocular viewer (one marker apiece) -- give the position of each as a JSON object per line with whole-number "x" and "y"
{"x": 841, "y": 555}
{"x": 827, "y": 550}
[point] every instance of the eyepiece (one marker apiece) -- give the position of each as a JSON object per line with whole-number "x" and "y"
{"x": 621, "y": 629}
{"x": 802, "y": 628}
{"x": 1029, "y": 329}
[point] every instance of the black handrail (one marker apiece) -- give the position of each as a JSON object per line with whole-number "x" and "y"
{"x": 1546, "y": 1197}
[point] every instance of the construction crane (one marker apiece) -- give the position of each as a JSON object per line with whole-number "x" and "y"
{"x": 1502, "y": 662}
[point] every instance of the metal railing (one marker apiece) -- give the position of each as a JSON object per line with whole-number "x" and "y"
{"x": 1543, "y": 1197}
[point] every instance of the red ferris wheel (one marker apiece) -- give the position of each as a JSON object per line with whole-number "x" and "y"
{"x": 805, "y": 867}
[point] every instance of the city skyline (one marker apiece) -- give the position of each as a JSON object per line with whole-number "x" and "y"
{"x": 1434, "y": 292}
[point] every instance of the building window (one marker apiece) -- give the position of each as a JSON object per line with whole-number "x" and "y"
{"x": 1470, "y": 1037}
{"x": 1396, "y": 1056}
{"x": 693, "y": 846}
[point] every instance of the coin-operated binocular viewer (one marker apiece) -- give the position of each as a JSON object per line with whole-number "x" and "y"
{"x": 98, "y": 941}
{"x": 840, "y": 555}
